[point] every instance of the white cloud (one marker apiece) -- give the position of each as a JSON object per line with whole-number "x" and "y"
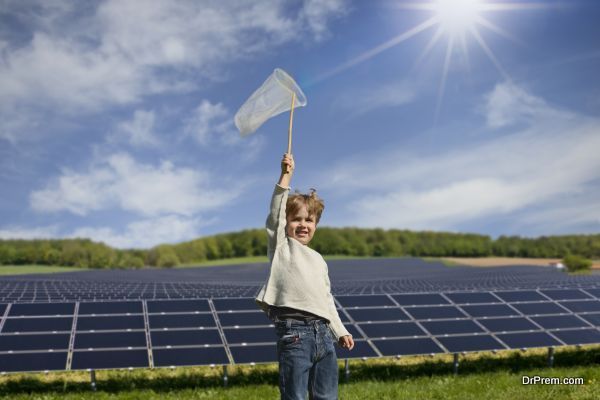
{"x": 82, "y": 58}
{"x": 508, "y": 104}
{"x": 145, "y": 233}
{"x": 19, "y": 232}
{"x": 208, "y": 119}
{"x": 122, "y": 182}
{"x": 390, "y": 94}
{"x": 553, "y": 156}
{"x": 139, "y": 131}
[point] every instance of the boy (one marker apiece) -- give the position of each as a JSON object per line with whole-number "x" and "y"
{"x": 297, "y": 296}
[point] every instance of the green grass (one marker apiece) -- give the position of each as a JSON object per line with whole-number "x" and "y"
{"x": 481, "y": 376}
{"x": 34, "y": 269}
{"x": 256, "y": 259}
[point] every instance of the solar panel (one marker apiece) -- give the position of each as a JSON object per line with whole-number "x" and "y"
{"x": 470, "y": 298}
{"x": 361, "y": 349}
{"x": 172, "y": 306}
{"x": 235, "y": 304}
{"x": 529, "y": 339}
{"x": 394, "y": 329}
{"x": 181, "y": 321}
{"x": 582, "y": 306}
{"x": 41, "y": 309}
{"x": 187, "y": 337}
{"x": 508, "y": 324}
{"x": 493, "y": 310}
{"x": 109, "y": 359}
{"x": 365, "y": 301}
{"x": 378, "y": 314}
{"x": 244, "y": 319}
{"x": 43, "y": 324}
{"x": 578, "y": 336}
{"x": 560, "y": 321}
{"x": 438, "y": 312}
{"x": 451, "y": 327}
{"x": 564, "y": 294}
{"x": 593, "y": 319}
{"x": 457, "y": 344}
{"x": 423, "y": 311}
{"x": 254, "y": 353}
{"x": 394, "y": 347}
{"x": 29, "y": 362}
{"x": 50, "y": 341}
{"x": 113, "y": 307}
{"x": 521, "y": 295}
{"x": 539, "y": 308}
{"x": 419, "y": 299}
{"x": 114, "y": 322}
{"x": 250, "y": 335}
{"x": 110, "y": 340}
{"x": 189, "y": 356}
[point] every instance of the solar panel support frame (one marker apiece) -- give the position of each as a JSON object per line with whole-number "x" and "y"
{"x": 5, "y": 316}
{"x": 455, "y": 364}
{"x": 215, "y": 315}
{"x": 147, "y": 331}
{"x": 346, "y": 370}
{"x": 72, "y": 338}
{"x": 550, "y": 357}
{"x": 225, "y": 376}
{"x": 93, "y": 380}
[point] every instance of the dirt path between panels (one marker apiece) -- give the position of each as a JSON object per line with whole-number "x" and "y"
{"x": 499, "y": 261}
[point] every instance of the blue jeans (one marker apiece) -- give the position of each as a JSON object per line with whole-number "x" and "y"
{"x": 307, "y": 360}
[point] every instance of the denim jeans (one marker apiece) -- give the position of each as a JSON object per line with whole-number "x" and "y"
{"x": 307, "y": 360}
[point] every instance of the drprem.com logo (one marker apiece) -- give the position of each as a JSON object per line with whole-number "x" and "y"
{"x": 543, "y": 380}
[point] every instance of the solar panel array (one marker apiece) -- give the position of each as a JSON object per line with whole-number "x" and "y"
{"x": 203, "y": 331}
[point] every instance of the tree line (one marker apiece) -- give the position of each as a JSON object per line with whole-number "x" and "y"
{"x": 84, "y": 253}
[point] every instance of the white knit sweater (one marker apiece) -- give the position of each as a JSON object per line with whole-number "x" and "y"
{"x": 298, "y": 276}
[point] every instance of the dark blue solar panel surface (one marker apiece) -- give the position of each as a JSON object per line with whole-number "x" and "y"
{"x": 378, "y": 314}
{"x": 470, "y": 298}
{"x": 521, "y": 295}
{"x": 529, "y": 339}
{"x": 508, "y": 324}
{"x": 456, "y": 344}
{"x": 393, "y": 329}
{"x": 393, "y": 347}
{"x": 109, "y": 359}
{"x": 451, "y": 327}
{"x": 490, "y": 310}
{"x": 539, "y": 308}
{"x": 457, "y": 307}
{"x": 578, "y": 336}
{"x": 194, "y": 337}
{"x": 189, "y": 356}
{"x": 419, "y": 299}
{"x": 440, "y": 312}
{"x": 120, "y": 307}
{"x": 52, "y": 341}
{"x": 254, "y": 353}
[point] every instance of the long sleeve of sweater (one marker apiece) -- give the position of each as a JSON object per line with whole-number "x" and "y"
{"x": 298, "y": 277}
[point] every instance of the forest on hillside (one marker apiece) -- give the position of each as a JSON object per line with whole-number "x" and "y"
{"x": 84, "y": 253}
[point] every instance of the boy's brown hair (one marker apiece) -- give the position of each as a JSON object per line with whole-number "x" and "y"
{"x": 314, "y": 204}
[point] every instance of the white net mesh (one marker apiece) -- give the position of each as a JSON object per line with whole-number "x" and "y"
{"x": 272, "y": 98}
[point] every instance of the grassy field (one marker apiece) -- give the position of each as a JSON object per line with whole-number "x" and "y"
{"x": 35, "y": 269}
{"x": 481, "y": 376}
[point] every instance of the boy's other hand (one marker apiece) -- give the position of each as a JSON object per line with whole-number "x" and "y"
{"x": 346, "y": 342}
{"x": 287, "y": 164}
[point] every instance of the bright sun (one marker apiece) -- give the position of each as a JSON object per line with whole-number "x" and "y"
{"x": 457, "y": 16}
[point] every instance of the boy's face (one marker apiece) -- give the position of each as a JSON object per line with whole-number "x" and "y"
{"x": 301, "y": 226}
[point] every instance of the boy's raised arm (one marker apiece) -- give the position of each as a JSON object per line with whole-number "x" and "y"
{"x": 276, "y": 220}
{"x": 287, "y": 170}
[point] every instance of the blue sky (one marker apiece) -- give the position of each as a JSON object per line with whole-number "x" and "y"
{"x": 116, "y": 117}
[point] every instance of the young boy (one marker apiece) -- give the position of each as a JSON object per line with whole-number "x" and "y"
{"x": 297, "y": 296}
